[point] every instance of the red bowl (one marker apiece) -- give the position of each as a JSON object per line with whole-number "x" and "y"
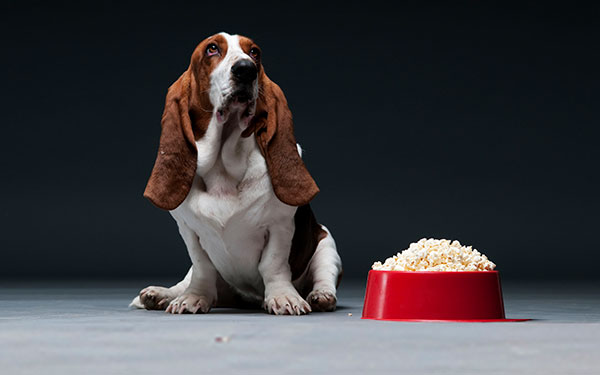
{"x": 434, "y": 296}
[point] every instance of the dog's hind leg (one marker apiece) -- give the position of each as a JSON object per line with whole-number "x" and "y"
{"x": 324, "y": 272}
{"x": 158, "y": 297}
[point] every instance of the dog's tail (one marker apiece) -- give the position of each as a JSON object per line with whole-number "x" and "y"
{"x": 136, "y": 303}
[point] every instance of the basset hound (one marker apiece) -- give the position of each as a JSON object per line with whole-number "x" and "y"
{"x": 230, "y": 172}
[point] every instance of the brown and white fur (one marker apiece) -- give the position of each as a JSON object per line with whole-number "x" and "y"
{"x": 230, "y": 172}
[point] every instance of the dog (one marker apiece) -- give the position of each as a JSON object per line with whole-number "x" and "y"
{"x": 230, "y": 172}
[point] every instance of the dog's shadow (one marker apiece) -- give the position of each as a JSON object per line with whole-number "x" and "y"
{"x": 259, "y": 310}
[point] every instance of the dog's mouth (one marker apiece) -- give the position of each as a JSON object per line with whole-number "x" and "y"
{"x": 241, "y": 102}
{"x": 243, "y": 96}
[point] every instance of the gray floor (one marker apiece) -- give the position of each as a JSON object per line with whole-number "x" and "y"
{"x": 86, "y": 328}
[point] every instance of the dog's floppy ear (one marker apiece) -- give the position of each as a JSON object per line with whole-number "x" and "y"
{"x": 175, "y": 164}
{"x": 274, "y": 131}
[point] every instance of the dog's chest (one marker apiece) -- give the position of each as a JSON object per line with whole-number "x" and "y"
{"x": 231, "y": 219}
{"x": 230, "y": 176}
{"x": 220, "y": 199}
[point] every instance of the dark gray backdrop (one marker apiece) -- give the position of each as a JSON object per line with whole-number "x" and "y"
{"x": 475, "y": 122}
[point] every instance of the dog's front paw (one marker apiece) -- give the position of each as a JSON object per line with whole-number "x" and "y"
{"x": 322, "y": 300}
{"x": 156, "y": 297}
{"x": 286, "y": 304}
{"x": 190, "y": 303}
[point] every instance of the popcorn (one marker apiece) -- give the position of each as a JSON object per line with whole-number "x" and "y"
{"x": 436, "y": 255}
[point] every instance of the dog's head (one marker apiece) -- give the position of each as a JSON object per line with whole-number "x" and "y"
{"x": 226, "y": 79}
{"x": 226, "y": 70}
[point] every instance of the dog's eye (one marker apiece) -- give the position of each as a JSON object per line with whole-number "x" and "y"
{"x": 255, "y": 53}
{"x": 212, "y": 49}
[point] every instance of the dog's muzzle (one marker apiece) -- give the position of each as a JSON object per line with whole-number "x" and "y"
{"x": 244, "y": 73}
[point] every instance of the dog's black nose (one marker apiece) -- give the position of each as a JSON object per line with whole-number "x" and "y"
{"x": 244, "y": 71}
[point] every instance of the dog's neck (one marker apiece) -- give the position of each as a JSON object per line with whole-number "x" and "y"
{"x": 223, "y": 153}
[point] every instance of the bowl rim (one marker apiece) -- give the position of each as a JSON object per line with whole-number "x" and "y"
{"x": 437, "y": 272}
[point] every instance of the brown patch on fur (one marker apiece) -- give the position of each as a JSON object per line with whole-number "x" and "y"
{"x": 202, "y": 66}
{"x": 246, "y": 44}
{"x": 185, "y": 119}
{"x": 307, "y": 236}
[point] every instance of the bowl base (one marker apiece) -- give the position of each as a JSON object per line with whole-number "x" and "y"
{"x": 452, "y": 320}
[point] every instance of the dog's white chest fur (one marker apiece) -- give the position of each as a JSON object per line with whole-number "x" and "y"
{"x": 230, "y": 206}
